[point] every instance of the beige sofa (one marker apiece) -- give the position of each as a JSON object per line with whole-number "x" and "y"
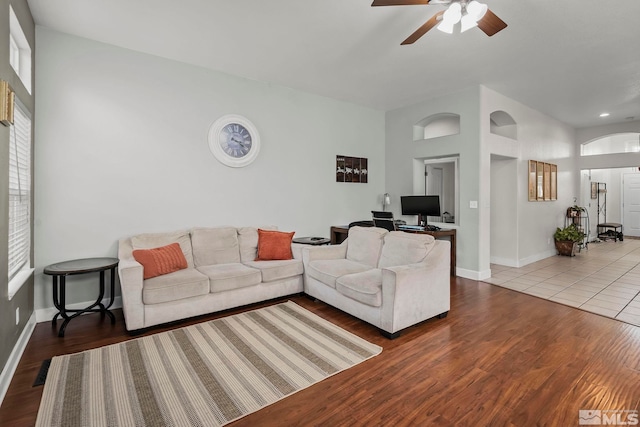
{"x": 391, "y": 280}
{"x": 221, "y": 273}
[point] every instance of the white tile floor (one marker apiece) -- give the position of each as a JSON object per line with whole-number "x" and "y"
{"x": 603, "y": 279}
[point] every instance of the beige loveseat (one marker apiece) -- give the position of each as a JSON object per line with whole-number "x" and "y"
{"x": 391, "y": 280}
{"x": 221, "y": 273}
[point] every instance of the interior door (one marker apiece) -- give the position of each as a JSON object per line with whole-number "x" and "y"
{"x": 435, "y": 187}
{"x": 631, "y": 204}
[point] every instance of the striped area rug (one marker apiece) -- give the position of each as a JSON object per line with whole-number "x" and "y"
{"x": 202, "y": 375}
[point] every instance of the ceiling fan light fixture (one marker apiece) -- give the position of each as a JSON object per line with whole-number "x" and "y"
{"x": 446, "y": 27}
{"x": 476, "y": 9}
{"x": 454, "y": 13}
{"x": 450, "y": 18}
{"x": 467, "y": 22}
{"x": 470, "y": 14}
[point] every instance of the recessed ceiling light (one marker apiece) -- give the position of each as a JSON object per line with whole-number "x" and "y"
{"x": 604, "y": 114}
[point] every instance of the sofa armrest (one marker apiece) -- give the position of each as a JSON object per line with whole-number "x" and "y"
{"x": 416, "y": 292}
{"x": 131, "y": 282}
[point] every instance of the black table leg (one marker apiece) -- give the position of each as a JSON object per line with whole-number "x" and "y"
{"x": 56, "y": 301}
{"x": 105, "y": 310}
{"x": 63, "y": 311}
{"x": 112, "y": 292}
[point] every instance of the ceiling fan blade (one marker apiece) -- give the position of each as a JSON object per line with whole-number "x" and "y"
{"x": 491, "y": 24}
{"x": 398, "y": 2}
{"x": 432, "y": 22}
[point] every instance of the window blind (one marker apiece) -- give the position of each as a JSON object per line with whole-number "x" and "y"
{"x": 19, "y": 192}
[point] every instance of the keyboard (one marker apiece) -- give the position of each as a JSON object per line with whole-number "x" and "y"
{"x": 419, "y": 228}
{"x": 411, "y": 227}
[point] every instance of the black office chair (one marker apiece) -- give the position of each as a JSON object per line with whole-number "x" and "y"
{"x": 361, "y": 224}
{"x": 384, "y": 220}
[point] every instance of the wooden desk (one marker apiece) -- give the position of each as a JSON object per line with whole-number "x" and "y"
{"x": 340, "y": 232}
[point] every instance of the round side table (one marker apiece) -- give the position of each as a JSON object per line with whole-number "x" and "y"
{"x": 61, "y": 270}
{"x": 315, "y": 241}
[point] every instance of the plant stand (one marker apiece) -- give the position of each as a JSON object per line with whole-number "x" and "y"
{"x": 580, "y": 217}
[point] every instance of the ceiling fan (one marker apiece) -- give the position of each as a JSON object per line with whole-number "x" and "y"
{"x": 470, "y": 13}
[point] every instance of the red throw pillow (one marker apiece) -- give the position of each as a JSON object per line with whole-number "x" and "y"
{"x": 274, "y": 245}
{"x": 159, "y": 261}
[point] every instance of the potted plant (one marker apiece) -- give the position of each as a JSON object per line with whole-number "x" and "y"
{"x": 574, "y": 211}
{"x": 567, "y": 239}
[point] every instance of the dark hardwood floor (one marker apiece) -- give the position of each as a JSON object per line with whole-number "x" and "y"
{"x": 501, "y": 358}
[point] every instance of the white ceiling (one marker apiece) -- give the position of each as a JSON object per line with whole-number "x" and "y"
{"x": 571, "y": 59}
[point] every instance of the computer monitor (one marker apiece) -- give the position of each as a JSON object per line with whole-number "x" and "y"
{"x": 423, "y": 206}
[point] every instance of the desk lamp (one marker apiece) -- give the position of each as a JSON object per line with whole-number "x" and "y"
{"x": 386, "y": 201}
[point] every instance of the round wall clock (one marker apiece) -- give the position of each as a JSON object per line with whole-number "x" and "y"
{"x": 234, "y": 140}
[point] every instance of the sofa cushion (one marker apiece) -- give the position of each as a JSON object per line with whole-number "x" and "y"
{"x": 274, "y": 245}
{"x": 158, "y": 261}
{"x": 155, "y": 240}
{"x": 328, "y": 270}
{"x": 276, "y": 270}
{"x": 215, "y": 246}
{"x": 225, "y": 277}
{"x": 174, "y": 286}
{"x": 402, "y": 248}
{"x": 365, "y": 287}
{"x": 248, "y": 240}
{"x": 365, "y": 244}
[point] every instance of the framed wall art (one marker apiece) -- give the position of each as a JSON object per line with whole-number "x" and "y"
{"x": 547, "y": 181}
{"x": 542, "y": 179}
{"x": 532, "y": 180}
{"x": 554, "y": 182}
{"x": 352, "y": 169}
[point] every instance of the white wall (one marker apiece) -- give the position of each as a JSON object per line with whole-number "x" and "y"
{"x": 504, "y": 208}
{"x": 613, "y": 200}
{"x": 542, "y": 138}
{"x": 402, "y": 168}
{"x": 598, "y": 131}
{"x": 618, "y": 143}
{"x": 607, "y": 161}
{"x": 121, "y": 148}
{"x": 614, "y": 197}
{"x": 605, "y": 168}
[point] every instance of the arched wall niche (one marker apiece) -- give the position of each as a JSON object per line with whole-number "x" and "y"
{"x": 627, "y": 142}
{"x": 437, "y": 125}
{"x": 501, "y": 123}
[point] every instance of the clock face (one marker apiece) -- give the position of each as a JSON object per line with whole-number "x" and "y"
{"x": 234, "y": 140}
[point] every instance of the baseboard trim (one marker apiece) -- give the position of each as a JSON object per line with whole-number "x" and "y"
{"x": 14, "y": 358}
{"x": 507, "y": 262}
{"x": 518, "y": 263}
{"x": 473, "y": 274}
{"x": 537, "y": 257}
